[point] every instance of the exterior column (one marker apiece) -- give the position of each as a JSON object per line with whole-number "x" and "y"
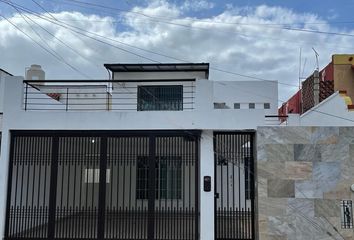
{"x": 13, "y": 97}
{"x": 206, "y": 198}
{"x": 316, "y": 87}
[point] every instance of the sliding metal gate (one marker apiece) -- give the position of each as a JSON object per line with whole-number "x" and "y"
{"x": 234, "y": 186}
{"x": 122, "y": 185}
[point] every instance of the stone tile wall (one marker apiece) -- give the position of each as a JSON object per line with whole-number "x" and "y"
{"x": 302, "y": 174}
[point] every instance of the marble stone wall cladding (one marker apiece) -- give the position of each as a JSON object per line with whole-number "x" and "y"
{"x": 303, "y": 173}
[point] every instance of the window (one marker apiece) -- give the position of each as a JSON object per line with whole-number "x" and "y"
{"x": 168, "y": 178}
{"x": 92, "y": 175}
{"x": 251, "y": 105}
{"x": 237, "y": 105}
{"x": 266, "y": 105}
{"x": 160, "y": 98}
{"x": 219, "y": 105}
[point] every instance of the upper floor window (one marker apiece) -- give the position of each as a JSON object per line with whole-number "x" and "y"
{"x": 160, "y": 98}
{"x": 251, "y": 105}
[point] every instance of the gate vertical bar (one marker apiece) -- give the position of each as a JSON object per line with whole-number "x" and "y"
{"x": 102, "y": 188}
{"x": 53, "y": 188}
{"x": 151, "y": 187}
{"x": 215, "y": 188}
{"x": 9, "y": 186}
{"x": 196, "y": 187}
{"x": 252, "y": 176}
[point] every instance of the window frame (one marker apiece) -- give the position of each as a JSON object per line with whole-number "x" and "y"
{"x": 142, "y": 188}
{"x": 157, "y": 105}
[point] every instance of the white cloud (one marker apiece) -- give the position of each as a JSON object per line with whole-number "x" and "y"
{"x": 258, "y": 50}
{"x": 197, "y": 5}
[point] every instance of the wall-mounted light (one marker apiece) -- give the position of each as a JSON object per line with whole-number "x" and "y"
{"x": 352, "y": 187}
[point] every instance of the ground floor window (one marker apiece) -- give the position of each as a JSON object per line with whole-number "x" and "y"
{"x": 168, "y": 179}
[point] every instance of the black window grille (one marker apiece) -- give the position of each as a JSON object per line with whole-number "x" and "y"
{"x": 160, "y": 98}
{"x": 168, "y": 177}
{"x": 346, "y": 214}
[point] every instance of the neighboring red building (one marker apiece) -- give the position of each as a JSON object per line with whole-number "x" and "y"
{"x": 338, "y": 75}
{"x": 293, "y": 105}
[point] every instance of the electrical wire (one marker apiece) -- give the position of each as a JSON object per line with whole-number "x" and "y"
{"x": 328, "y": 114}
{"x": 71, "y": 28}
{"x": 203, "y": 21}
{"x": 41, "y": 46}
{"x": 103, "y": 42}
{"x": 163, "y": 20}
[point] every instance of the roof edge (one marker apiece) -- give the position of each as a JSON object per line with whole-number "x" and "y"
{"x": 2, "y": 70}
{"x": 140, "y": 67}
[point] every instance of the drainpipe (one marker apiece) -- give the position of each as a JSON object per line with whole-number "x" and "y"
{"x": 316, "y": 87}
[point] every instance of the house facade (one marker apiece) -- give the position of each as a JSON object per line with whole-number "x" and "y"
{"x": 158, "y": 151}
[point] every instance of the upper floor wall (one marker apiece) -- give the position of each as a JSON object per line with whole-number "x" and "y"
{"x": 99, "y": 109}
{"x": 3, "y": 74}
{"x": 334, "y": 111}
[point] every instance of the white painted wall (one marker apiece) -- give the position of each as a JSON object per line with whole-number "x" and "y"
{"x": 95, "y": 97}
{"x": 203, "y": 117}
{"x": 2, "y": 79}
{"x": 207, "y": 198}
{"x": 331, "y": 112}
{"x": 245, "y": 92}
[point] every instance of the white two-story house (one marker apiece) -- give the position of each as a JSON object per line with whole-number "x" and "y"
{"x": 158, "y": 151}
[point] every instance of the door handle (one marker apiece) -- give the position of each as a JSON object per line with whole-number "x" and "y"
{"x": 216, "y": 195}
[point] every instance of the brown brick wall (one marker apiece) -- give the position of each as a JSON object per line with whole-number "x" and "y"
{"x": 308, "y": 94}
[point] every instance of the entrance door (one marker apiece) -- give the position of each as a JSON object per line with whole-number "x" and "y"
{"x": 234, "y": 186}
{"x": 106, "y": 185}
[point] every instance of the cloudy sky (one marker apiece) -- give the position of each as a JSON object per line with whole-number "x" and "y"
{"x": 72, "y": 39}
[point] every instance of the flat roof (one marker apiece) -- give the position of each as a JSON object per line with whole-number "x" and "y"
{"x": 159, "y": 67}
{"x": 2, "y": 70}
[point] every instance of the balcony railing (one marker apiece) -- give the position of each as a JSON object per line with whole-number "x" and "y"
{"x": 114, "y": 95}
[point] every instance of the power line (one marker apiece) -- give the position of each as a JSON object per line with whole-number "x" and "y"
{"x": 58, "y": 39}
{"x": 49, "y": 47}
{"x": 156, "y": 19}
{"x": 70, "y": 27}
{"x": 328, "y": 114}
{"x": 213, "y": 22}
{"x": 207, "y": 21}
{"x": 106, "y": 43}
{"x": 41, "y": 46}
{"x": 216, "y": 22}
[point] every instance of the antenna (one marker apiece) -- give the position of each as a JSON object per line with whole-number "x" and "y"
{"x": 300, "y": 68}
{"x": 316, "y": 55}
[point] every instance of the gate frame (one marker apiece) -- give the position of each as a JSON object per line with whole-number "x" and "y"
{"x": 104, "y": 134}
{"x": 252, "y": 134}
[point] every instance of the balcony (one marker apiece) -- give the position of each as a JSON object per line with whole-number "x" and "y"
{"x": 102, "y": 95}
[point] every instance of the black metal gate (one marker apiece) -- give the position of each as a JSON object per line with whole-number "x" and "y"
{"x": 234, "y": 186}
{"x": 103, "y": 185}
